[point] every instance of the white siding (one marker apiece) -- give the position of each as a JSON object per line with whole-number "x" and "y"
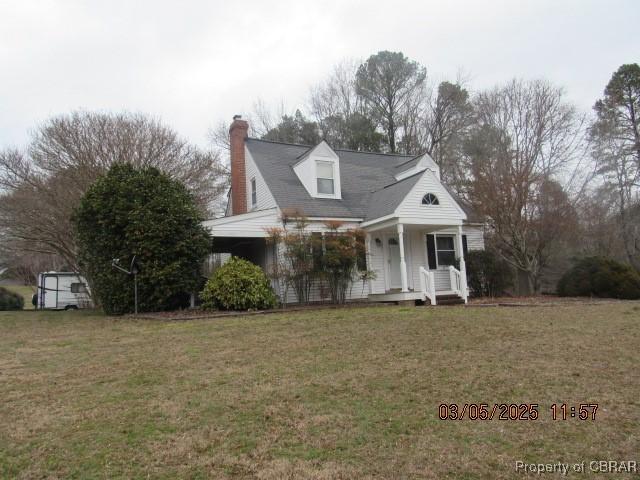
{"x": 265, "y": 199}
{"x": 252, "y": 224}
{"x": 475, "y": 237}
{"x": 315, "y": 226}
{"x": 321, "y": 294}
{"x": 376, "y": 263}
{"x": 448, "y": 212}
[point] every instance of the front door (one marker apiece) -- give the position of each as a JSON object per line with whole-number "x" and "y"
{"x": 395, "y": 280}
{"x": 50, "y": 292}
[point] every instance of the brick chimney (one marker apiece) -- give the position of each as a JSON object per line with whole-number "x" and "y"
{"x": 237, "y": 135}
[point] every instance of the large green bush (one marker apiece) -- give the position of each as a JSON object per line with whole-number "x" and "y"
{"x": 10, "y": 300}
{"x": 238, "y": 285}
{"x": 487, "y": 274}
{"x": 145, "y": 213}
{"x": 600, "y": 277}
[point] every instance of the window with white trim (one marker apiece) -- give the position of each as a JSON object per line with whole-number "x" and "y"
{"x": 445, "y": 250}
{"x": 430, "y": 199}
{"x": 254, "y": 193}
{"x": 325, "y": 180}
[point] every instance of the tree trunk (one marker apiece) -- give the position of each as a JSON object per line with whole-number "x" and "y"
{"x": 391, "y": 133}
{"x": 524, "y": 283}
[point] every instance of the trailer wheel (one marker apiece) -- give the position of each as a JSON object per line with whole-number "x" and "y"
{"x": 71, "y": 307}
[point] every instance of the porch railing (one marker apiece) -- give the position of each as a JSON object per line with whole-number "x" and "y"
{"x": 428, "y": 285}
{"x": 458, "y": 283}
{"x": 456, "y": 280}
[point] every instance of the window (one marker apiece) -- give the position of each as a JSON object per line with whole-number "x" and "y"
{"x": 445, "y": 250}
{"x": 430, "y": 199}
{"x": 324, "y": 172}
{"x": 78, "y": 288}
{"x": 254, "y": 193}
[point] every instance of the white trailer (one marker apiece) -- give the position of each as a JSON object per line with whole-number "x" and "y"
{"x": 62, "y": 291}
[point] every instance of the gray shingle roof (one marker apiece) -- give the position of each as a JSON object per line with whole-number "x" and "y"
{"x": 369, "y": 188}
{"x": 384, "y": 201}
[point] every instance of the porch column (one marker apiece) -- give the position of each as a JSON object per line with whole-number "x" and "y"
{"x": 403, "y": 265}
{"x": 367, "y": 254}
{"x": 463, "y": 266}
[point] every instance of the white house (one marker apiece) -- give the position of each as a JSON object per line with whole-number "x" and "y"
{"x": 417, "y": 232}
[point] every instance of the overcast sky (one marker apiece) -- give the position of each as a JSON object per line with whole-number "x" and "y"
{"x": 193, "y": 63}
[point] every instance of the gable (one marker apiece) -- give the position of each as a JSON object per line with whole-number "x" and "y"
{"x": 412, "y": 207}
{"x": 416, "y": 165}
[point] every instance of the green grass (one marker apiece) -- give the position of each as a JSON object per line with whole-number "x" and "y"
{"x": 325, "y": 394}
{"x": 26, "y": 292}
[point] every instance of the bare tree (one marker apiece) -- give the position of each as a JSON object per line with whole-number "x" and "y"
{"x": 261, "y": 120}
{"x": 25, "y": 266}
{"x": 218, "y": 136}
{"x": 336, "y": 95}
{"x": 525, "y": 136}
{"x": 42, "y": 185}
{"x": 411, "y": 123}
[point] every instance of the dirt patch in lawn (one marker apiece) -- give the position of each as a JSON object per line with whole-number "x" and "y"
{"x": 197, "y": 314}
{"x": 543, "y": 300}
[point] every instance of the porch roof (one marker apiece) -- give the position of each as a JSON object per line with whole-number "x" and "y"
{"x": 390, "y": 222}
{"x": 247, "y": 225}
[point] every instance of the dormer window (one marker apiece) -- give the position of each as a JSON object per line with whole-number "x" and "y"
{"x": 325, "y": 177}
{"x": 430, "y": 199}
{"x": 319, "y": 171}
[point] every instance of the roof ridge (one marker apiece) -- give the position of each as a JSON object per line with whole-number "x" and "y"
{"x": 372, "y": 153}
{"x": 279, "y": 143}
{"x": 411, "y": 157}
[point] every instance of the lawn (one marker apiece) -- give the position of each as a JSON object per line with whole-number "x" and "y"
{"x": 323, "y": 394}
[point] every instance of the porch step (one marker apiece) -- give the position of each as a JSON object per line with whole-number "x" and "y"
{"x": 449, "y": 300}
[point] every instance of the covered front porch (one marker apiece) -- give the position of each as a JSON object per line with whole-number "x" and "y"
{"x": 414, "y": 261}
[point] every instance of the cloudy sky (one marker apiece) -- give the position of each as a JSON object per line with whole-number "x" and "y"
{"x": 195, "y": 62}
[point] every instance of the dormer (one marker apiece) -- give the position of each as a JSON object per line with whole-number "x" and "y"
{"x": 417, "y": 164}
{"x": 319, "y": 171}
